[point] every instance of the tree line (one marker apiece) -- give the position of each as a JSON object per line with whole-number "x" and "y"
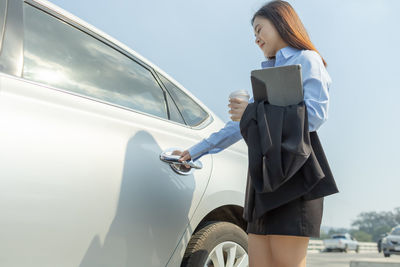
{"x": 369, "y": 226}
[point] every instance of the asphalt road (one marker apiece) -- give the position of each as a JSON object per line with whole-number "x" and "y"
{"x": 339, "y": 259}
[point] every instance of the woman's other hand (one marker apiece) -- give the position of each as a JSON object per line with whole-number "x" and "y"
{"x": 237, "y": 107}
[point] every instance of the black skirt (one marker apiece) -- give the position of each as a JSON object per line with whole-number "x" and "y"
{"x": 299, "y": 217}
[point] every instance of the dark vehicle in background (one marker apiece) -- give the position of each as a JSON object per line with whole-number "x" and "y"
{"x": 391, "y": 243}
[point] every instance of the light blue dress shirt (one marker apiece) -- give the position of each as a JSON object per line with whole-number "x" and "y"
{"x": 316, "y": 83}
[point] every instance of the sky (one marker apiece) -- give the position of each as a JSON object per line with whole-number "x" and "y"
{"x": 208, "y": 46}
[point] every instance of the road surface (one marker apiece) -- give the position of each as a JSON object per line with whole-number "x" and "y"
{"x": 339, "y": 259}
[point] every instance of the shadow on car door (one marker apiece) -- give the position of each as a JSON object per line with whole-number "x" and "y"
{"x": 153, "y": 209}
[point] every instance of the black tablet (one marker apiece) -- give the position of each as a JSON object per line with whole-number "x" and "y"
{"x": 280, "y": 86}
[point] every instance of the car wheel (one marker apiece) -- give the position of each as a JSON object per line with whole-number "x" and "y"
{"x": 358, "y": 249}
{"x": 217, "y": 244}
{"x": 387, "y": 255}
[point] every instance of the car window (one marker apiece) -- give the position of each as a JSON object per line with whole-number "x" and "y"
{"x": 63, "y": 56}
{"x": 338, "y": 237}
{"x": 396, "y": 231}
{"x": 3, "y": 6}
{"x": 174, "y": 113}
{"x": 190, "y": 110}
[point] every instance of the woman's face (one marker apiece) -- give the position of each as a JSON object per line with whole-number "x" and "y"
{"x": 267, "y": 37}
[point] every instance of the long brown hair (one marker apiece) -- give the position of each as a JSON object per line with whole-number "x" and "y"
{"x": 288, "y": 24}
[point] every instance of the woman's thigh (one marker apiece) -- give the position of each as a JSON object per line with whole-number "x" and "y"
{"x": 288, "y": 251}
{"x": 259, "y": 251}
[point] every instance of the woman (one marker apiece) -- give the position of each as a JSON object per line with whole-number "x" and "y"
{"x": 280, "y": 237}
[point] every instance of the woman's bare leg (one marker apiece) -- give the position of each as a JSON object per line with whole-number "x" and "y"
{"x": 259, "y": 251}
{"x": 288, "y": 251}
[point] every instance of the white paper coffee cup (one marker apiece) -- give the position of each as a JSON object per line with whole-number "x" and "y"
{"x": 241, "y": 94}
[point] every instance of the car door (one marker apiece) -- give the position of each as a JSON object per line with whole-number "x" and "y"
{"x": 83, "y": 128}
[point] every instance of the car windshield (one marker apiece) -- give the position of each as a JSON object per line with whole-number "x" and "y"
{"x": 338, "y": 236}
{"x": 395, "y": 231}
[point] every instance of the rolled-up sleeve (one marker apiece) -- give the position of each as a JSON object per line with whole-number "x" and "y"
{"x": 218, "y": 141}
{"x": 316, "y": 83}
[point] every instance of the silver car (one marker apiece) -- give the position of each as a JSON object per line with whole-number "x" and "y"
{"x": 88, "y": 178}
{"x": 391, "y": 242}
{"x": 342, "y": 242}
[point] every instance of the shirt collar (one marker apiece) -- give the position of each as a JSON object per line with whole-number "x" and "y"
{"x": 268, "y": 63}
{"x": 285, "y": 53}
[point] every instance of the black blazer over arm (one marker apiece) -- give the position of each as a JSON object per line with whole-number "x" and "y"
{"x": 285, "y": 160}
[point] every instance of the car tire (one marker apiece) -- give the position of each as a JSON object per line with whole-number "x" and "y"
{"x": 212, "y": 238}
{"x": 358, "y": 249}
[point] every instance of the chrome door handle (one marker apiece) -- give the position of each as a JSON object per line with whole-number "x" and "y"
{"x": 174, "y": 159}
{"x": 184, "y": 167}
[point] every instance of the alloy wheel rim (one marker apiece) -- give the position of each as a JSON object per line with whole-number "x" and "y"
{"x": 227, "y": 254}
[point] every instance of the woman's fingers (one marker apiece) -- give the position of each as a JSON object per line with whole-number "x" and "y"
{"x": 237, "y": 107}
{"x": 176, "y": 152}
{"x": 185, "y": 156}
{"x": 235, "y": 100}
